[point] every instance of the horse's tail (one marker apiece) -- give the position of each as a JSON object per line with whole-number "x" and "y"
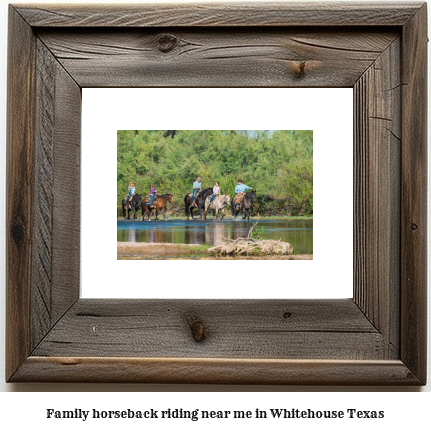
{"x": 123, "y": 207}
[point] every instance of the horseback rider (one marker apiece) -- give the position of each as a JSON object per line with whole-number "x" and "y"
{"x": 197, "y": 187}
{"x": 130, "y": 192}
{"x": 216, "y": 191}
{"x": 240, "y": 190}
{"x": 153, "y": 193}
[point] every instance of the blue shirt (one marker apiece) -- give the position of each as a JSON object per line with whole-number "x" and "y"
{"x": 240, "y": 188}
{"x": 197, "y": 185}
{"x": 131, "y": 191}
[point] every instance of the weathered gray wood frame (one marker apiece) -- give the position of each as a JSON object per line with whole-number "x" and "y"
{"x": 378, "y": 337}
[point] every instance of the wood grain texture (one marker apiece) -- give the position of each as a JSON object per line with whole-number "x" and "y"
{"x": 214, "y": 58}
{"x": 378, "y": 338}
{"x": 215, "y": 371}
{"x": 234, "y": 329}
{"x": 67, "y": 194}
{"x": 220, "y": 15}
{"x": 377, "y": 101}
{"x": 55, "y": 278}
{"x": 414, "y": 195}
{"x": 43, "y": 190}
{"x": 19, "y": 198}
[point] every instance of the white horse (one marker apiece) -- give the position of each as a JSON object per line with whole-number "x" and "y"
{"x": 218, "y": 204}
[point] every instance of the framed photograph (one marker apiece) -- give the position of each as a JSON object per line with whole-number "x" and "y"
{"x": 55, "y": 333}
{"x": 279, "y": 162}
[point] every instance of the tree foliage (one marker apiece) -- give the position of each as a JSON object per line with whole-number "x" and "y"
{"x": 277, "y": 163}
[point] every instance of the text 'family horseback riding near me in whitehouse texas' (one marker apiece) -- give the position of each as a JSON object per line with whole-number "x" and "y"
{"x": 215, "y": 194}
{"x": 197, "y": 414}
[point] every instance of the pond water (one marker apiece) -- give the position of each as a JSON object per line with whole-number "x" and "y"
{"x": 299, "y": 233}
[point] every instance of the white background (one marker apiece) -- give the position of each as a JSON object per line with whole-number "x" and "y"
{"x": 404, "y": 408}
{"x": 328, "y": 112}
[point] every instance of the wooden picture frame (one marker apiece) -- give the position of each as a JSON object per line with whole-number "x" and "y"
{"x": 378, "y": 337}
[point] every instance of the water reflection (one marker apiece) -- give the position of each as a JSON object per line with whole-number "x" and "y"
{"x": 299, "y": 233}
{"x": 132, "y": 235}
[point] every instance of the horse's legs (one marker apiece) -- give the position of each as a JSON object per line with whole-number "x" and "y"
{"x": 186, "y": 208}
{"x": 190, "y": 211}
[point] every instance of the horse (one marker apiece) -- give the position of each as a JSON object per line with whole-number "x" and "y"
{"x": 199, "y": 201}
{"x": 218, "y": 203}
{"x": 159, "y": 203}
{"x": 246, "y": 205}
{"x": 135, "y": 204}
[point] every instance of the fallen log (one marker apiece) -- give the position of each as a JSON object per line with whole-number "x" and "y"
{"x": 246, "y": 246}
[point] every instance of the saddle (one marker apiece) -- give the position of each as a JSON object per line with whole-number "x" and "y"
{"x": 148, "y": 200}
{"x": 191, "y": 196}
{"x": 238, "y": 198}
{"x": 128, "y": 201}
{"x": 207, "y": 202}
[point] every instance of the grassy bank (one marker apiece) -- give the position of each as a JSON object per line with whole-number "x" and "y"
{"x": 139, "y": 251}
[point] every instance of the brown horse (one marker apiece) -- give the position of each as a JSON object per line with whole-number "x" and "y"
{"x": 159, "y": 204}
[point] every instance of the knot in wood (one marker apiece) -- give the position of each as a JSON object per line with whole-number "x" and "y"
{"x": 167, "y": 42}
{"x": 18, "y": 233}
{"x": 197, "y": 327}
{"x": 414, "y": 226}
{"x": 300, "y": 69}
